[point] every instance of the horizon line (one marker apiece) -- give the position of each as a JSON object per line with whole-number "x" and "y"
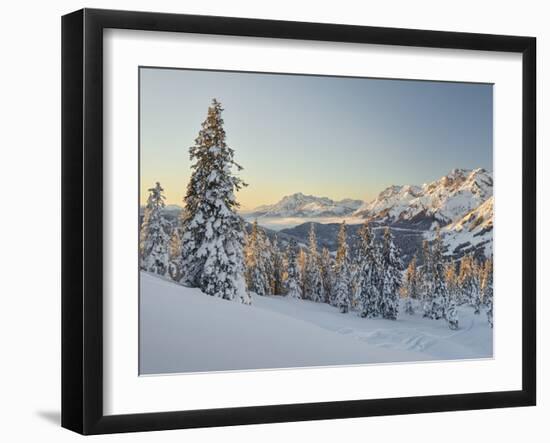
{"x": 180, "y": 203}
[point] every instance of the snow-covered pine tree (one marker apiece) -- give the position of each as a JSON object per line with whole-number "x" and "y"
{"x": 391, "y": 277}
{"x": 354, "y": 275}
{"x": 250, "y": 238}
{"x": 355, "y": 280}
{"x": 451, "y": 280}
{"x": 469, "y": 282}
{"x": 342, "y": 272}
{"x": 370, "y": 273}
{"x": 478, "y": 277}
{"x": 487, "y": 289}
{"x": 411, "y": 286}
{"x": 439, "y": 296}
{"x": 278, "y": 267}
{"x": 174, "y": 252}
{"x": 256, "y": 274}
{"x": 154, "y": 234}
{"x": 213, "y": 232}
{"x": 451, "y": 314}
{"x": 327, "y": 275}
{"x": 427, "y": 279}
{"x": 302, "y": 264}
{"x": 314, "y": 282}
{"x": 465, "y": 279}
{"x": 292, "y": 282}
{"x": 266, "y": 254}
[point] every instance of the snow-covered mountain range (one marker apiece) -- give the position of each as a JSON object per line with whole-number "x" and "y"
{"x": 474, "y": 230}
{"x": 443, "y": 201}
{"x": 461, "y": 203}
{"x": 301, "y": 205}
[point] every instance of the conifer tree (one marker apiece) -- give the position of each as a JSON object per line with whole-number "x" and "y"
{"x": 451, "y": 314}
{"x": 266, "y": 256}
{"x": 278, "y": 267}
{"x": 427, "y": 279}
{"x": 487, "y": 289}
{"x": 292, "y": 282}
{"x": 154, "y": 237}
{"x": 353, "y": 282}
{"x": 256, "y": 274}
{"x": 342, "y": 253}
{"x": 451, "y": 281}
{"x": 314, "y": 283}
{"x": 342, "y": 271}
{"x": 174, "y": 252}
{"x": 302, "y": 264}
{"x": 411, "y": 286}
{"x": 370, "y": 273}
{"x": 439, "y": 297}
{"x": 477, "y": 296}
{"x": 469, "y": 282}
{"x": 391, "y": 277}
{"x": 327, "y": 275}
{"x": 213, "y": 232}
{"x": 463, "y": 279}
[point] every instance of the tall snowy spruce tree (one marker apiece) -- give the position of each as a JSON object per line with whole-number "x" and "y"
{"x": 154, "y": 237}
{"x": 266, "y": 254}
{"x": 342, "y": 272}
{"x": 391, "y": 277}
{"x": 439, "y": 296}
{"x": 174, "y": 251}
{"x": 355, "y": 279}
{"x": 451, "y": 313}
{"x": 257, "y": 273}
{"x": 292, "y": 282}
{"x": 370, "y": 273}
{"x": 464, "y": 280}
{"x": 468, "y": 279}
{"x": 314, "y": 282}
{"x": 411, "y": 286}
{"x": 487, "y": 289}
{"x": 302, "y": 264}
{"x": 451, "y": 280}
{"x": 427, "y": 278}
{"x": 278, "y": 267}
{"x": 478, "y": 277}
{"x": 327, "y": 275}
{"x": 212, "y": 231}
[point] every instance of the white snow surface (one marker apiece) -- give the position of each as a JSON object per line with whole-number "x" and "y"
{"x": 184, "y": 330}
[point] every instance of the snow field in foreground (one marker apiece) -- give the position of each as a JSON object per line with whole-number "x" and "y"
{"x": 184, "y": 330}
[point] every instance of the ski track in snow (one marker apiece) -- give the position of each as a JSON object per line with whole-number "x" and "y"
{"x": 390, "y": 334}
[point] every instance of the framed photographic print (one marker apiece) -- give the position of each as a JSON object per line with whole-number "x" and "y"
{"x": 269, "y": 221}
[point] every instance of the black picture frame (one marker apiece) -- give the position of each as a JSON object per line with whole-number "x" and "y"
{"x": 82, "y": 218}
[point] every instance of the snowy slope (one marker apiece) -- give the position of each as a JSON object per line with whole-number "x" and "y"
{"x": 445, "y": 200}
{"x": 300, "y": 205}
{"x": 473, "y": 231}
{"x": 183, "y": 330}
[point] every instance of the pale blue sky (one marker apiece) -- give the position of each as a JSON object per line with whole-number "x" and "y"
{"x": 327, "y": 136}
